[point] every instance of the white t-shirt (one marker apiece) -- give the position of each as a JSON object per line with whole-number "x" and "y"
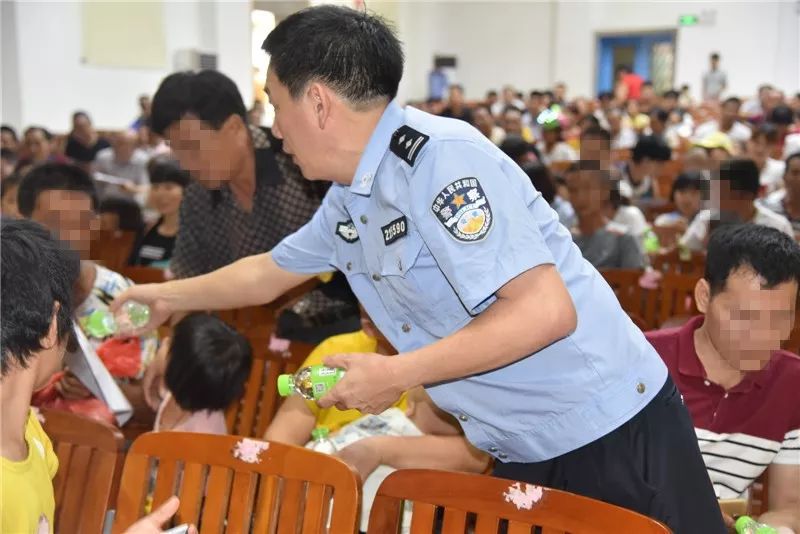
{"x": 626, "y": 138}
{"x": 561, "y": 152}
{"x": 695, "y": 236}
{"x": 633, "y": 219}
{"x": 739, "y": 133}
{"x": 772, "y": 175}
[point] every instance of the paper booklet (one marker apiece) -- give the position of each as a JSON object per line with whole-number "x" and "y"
{"x": 87, "y": 367}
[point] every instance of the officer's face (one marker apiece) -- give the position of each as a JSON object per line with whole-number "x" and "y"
{"x": 212, "y": 156}
{"x": 297, "y": 124}
{"x": 747, "y": 321}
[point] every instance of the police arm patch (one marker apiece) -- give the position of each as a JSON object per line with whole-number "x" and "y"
{"x": 347, "y": 231}
{"x": 464, "y": 211}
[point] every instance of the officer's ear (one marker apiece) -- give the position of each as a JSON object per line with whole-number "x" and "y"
{"x": 702, "y": 295}
{"x": 320, "y": 98}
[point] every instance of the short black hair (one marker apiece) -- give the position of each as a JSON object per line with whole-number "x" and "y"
{"x": 773, "y": 255}
{"x": 596, "y": 132}
{"x": 37, "y": 272}
{"x": 514, "y": 146}
{"x": 672, "y": 93}
{"x": 605, "y": 95}
{"x": 541, "y": 179}
{"x": 45, "y": 132}
{"x": 536, "y": 94}
{"x": 8, "y": 154}
{"x": 651, "y": 147}
{"x": 741, "y": 174}
{"x": 767, "y": 132}
{"x": 208, "y": 365}
{"x": 781, "y": 115}
{"x": 129, "y": 214}
{"x": 163, "y": 169}
{"x": 490, "y": 94}
{"x": 647, "y": 83}
{"x": 662, "y": 115}
{"x": 53, "y": 177}
{"x": 623, "y": 68}
{"x": 208, "y": 95}
{"x": 789, "y": 159}
{"x": 11, "y": 182}
{"x": 715, "y": 55}
{"x": 732, "y": 100}
{"x": 689, "y": 180}
{"x": 5, "y": 128}
{"x": 456, "y": 86}
{"x": 354, "y": 53}
{"x": 78, "y": 114}
{"x": 511, "y": 109}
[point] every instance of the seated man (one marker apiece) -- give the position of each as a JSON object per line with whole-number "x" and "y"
{"x": 638, "y": 174}
{"x": 418, "y": 435}
{"x": 733, "y": 199}
{"x": 740, "y": 388}
{"x": 604, "y": 243}
{"x": 62, "y": 197}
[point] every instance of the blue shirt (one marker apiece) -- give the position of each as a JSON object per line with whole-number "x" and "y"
{"x": 436, "y": 220}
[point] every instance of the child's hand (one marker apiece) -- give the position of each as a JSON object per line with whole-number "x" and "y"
{"x": 71, "y": 388}
{"x": 151, "y": 524}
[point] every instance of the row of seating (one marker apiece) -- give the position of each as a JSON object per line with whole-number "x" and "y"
{"x": 232, "y": 484}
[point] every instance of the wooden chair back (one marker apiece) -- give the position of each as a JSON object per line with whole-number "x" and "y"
{"x": 621, "y": 154}
{"x": 281, "y": 489}
{"x": 631, "y": 296}
{"x": 559, "y": 167}
{"x": 671, "y": 262}
{"x": 143, "y": 275}
{"x": 495, "y": 504}
{"x": 88, "y": 453}
{"x": 111, "y": 249}
{"x": 252, "y": 414}
{"x": 663, "y": 182}
{"x": 674, "y": 297}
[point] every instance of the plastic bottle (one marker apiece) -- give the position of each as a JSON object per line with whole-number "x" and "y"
{"x": 651, "y": 242}
{"x": 321, "y": 441}
{"x": 102, "y": 323}
{"x": 311, "y": 382}
{"x": 747, "y": 525}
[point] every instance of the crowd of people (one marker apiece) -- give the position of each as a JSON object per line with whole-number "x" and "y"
{"x": 629, "y": 175}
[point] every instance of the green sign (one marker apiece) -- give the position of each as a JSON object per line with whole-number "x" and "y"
{"x": 688, "y": 20}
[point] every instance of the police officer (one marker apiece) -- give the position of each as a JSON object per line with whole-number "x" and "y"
{"x": 467, "y": 271}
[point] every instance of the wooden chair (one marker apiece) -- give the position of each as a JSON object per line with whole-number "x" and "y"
{"x": 671, "y": 262}
{"x": 286, "y": 489}
{"x": 663, "y": 182}
{"x": 111, "y": 249}
{"x": 463, "y": 494}
{"x": 631, "y": 296}
{"x": 251, "y": 415}
{"x": 143, "y": 275}
{"x": 621, "y": 154}
{"x": 674, "y": 297}
{"x": 88, "y": 453}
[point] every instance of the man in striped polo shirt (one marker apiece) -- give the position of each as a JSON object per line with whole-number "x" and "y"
{"x": 742, "y": 391}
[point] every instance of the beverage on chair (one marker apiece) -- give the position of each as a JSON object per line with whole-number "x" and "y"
{"x": 321, "y": 441}
{"x": 310, "y": 382}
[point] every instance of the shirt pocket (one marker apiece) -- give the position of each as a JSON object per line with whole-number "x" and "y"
{"x": 349, "y": 259}
{"x": 419, "y": 287}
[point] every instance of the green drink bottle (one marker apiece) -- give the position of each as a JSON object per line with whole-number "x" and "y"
{"x": 747, "y": 525}
{"x": 312, "y": 383}
{"x": 102, "y": 323}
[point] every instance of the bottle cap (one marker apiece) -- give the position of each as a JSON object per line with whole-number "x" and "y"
{"x": 321, "y": 432}
{"x": 285, "y": 386}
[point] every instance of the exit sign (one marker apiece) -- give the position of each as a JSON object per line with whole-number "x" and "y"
{"x": 688, "y": 20}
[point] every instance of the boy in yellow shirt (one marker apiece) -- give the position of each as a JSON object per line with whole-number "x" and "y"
{"x": 38, "y": 276}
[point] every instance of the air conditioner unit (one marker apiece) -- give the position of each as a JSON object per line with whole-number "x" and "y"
{"x": 192, "y": 59}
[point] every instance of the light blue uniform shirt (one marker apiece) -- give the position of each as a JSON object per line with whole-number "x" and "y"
{"x": 437, "y": 219}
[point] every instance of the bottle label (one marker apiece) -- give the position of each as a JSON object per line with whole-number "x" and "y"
{"x": 320, "y": 388}
{"x": 326, "y": 371}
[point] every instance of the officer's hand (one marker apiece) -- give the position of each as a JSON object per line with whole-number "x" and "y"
{"x": 150, "y": 295}
{"x": 370, "y": 385}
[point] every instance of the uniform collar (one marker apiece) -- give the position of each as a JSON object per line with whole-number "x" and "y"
{"x": 392, "y": 119}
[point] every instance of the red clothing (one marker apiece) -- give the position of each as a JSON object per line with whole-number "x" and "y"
{"x": 743, "y": 430}
{"x": 634, "y": 84}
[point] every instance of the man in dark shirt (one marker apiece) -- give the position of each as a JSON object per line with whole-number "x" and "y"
{"x": 456, "y": 106}
{"x": 247, "y": 195}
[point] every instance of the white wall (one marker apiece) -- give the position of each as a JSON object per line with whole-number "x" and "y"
{"x": 53, "y": 81}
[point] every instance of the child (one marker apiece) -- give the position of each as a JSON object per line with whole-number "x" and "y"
{"x": 38, "y": 274}
{"x": 209, "y": 363}
{"x": 167, "y": 182}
